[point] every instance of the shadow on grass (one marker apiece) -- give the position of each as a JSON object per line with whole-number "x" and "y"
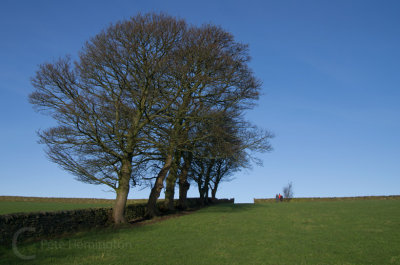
{"x": 73, "y": 244}
{"x": 95, "y": 239}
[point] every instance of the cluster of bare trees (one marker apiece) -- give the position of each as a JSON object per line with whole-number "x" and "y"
{"x": 152, "y": 101}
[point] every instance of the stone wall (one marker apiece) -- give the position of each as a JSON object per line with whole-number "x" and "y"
{"x": 38, "y": 225}
{"x": 390, "y": 197}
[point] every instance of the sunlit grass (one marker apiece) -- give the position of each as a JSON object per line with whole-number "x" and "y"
{"x": 35, "y": 204}
{"x": 7, "y": 207}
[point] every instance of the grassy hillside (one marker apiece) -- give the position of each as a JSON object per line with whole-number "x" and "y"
{"x": 338, "y": 232}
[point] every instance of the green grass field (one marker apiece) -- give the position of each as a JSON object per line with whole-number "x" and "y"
{"x": 338, "y": 232}
{"x": 16, "y": 204}
{"x": 20, "y": 206}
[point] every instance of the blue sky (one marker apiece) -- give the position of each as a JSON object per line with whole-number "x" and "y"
{"x": 331, "y": 91}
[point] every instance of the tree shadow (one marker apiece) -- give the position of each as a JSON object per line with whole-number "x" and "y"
{"x": 93, "y": 241}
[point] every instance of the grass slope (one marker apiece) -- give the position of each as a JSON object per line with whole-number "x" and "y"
{"x": 346, "y": 232}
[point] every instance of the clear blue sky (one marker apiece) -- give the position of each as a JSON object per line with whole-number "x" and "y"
{"x": 331, "y": 90}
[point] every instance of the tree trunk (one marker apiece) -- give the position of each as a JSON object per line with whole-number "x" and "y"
{"x": 183, "y": 189}
{"x": 214, "y": 192}
{"x": 183, "y": 182}
{"x": 206, "y": 183}
{"x": 119, "y": 206}
{"x": 170, "y": 191}
{"x": 171, "y": 182}
{"x": 200, "y": 188}
{"x": 156, "y": 190}
{"x": 118, "y": 212}
{"x": 206, "y": 195}
{"x": 216, "y": 182}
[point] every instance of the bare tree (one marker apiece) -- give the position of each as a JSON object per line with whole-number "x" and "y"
{"x": 288, "y": 191}
{"x": 148, "y": 93}
{"x": 209, "y": 72}
{"x": 229, "y": 150}
{"x": 103, "y": 101}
